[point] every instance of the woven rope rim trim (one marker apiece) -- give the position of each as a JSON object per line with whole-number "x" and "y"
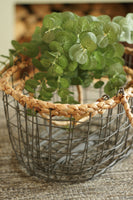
{"x": 78, "y": 111}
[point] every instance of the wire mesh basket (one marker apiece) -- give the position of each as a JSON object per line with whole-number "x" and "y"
{"x": 62, "y": 142}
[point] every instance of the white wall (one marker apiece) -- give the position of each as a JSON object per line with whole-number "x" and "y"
{"x": 6, "y": 24}
{"x": 7, "y": 11}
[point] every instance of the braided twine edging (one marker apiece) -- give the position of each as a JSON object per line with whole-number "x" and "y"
{"x": 78, "y": 111}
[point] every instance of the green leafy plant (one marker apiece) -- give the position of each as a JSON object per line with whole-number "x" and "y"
{"x": 72, "y": 50}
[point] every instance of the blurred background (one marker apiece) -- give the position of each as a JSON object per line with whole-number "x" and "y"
{"x": 18, "y": 18}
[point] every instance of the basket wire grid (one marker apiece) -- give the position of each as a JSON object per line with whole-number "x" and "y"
{"x": 71, "y": 153}
{"x": 62, "y": 149}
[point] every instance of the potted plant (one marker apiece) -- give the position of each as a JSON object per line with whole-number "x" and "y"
{"x": 69, "y": 50}
{"x": 72, "y": 50}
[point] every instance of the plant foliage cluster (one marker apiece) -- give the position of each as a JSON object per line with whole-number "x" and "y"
{"x": 72, "y": 50}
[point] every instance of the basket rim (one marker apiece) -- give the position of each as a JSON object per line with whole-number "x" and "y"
{"x": 78, "y": 111}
